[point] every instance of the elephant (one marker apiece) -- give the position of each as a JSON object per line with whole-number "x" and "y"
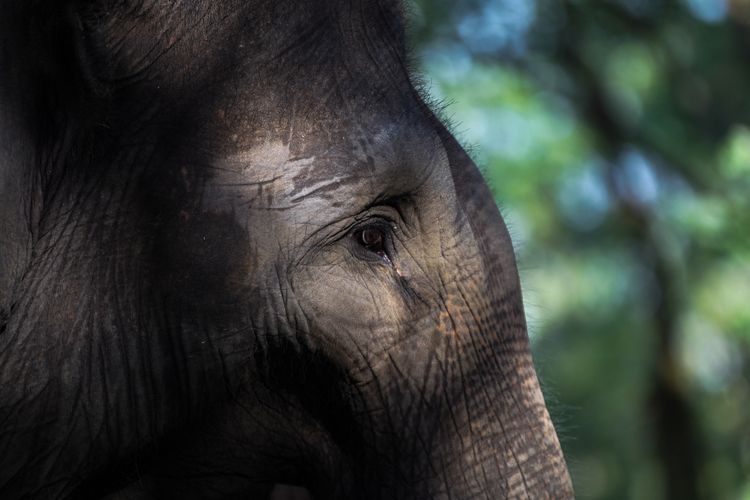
{"x": 240, "y": 250}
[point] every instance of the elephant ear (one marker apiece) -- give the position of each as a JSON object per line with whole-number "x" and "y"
{"x": 49, "y": 92}
{"x": 38, "y": 80}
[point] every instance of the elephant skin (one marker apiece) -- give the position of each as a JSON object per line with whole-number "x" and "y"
{"x": 238, "y": 250}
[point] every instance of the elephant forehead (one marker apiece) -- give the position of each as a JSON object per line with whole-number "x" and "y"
{"x": 345, "y": 172}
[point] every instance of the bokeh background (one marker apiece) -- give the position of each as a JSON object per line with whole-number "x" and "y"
{"x": 616, "y": 137}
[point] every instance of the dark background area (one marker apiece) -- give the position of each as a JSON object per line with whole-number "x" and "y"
{"x": 616, "y": 137}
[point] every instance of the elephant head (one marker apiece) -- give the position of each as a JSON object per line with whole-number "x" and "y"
{"x": 243, "y": 251}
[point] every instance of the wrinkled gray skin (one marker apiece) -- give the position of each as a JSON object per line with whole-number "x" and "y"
{"x": 192, "y": 303}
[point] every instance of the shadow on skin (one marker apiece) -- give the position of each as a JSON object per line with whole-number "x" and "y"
{"x": 286, "y": 492}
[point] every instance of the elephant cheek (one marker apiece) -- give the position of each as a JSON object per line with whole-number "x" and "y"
{"x": 205, "y": 259}
{"x": 346, "y": 315}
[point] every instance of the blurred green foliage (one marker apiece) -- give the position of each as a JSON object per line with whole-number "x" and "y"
{"x": 616, "y": 137}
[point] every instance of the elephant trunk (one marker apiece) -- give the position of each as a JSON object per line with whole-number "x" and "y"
{"x": 479, "y": 428}
{"x": 474, "y": 426}
{"x": 496, "y": 423}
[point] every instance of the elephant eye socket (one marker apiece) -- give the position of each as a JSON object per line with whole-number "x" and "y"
{"x": 373, "y": 239}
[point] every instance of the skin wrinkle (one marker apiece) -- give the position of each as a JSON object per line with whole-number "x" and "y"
{"x": 465, "y": 395}
{"x": 471, "y": 337}
{"x": 227, "y": 311}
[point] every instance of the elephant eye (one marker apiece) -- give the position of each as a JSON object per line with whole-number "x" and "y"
{"x": 372, "y": 239}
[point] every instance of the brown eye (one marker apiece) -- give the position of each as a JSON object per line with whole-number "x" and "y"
{"x": 372, "y": 239}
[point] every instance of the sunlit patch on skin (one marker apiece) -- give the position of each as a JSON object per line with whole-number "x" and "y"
{"x": 268, "y": 155}
{"x": 445, "y": 324}
{"x": 279, "y": 180}
{"x": 265, "y": 163}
